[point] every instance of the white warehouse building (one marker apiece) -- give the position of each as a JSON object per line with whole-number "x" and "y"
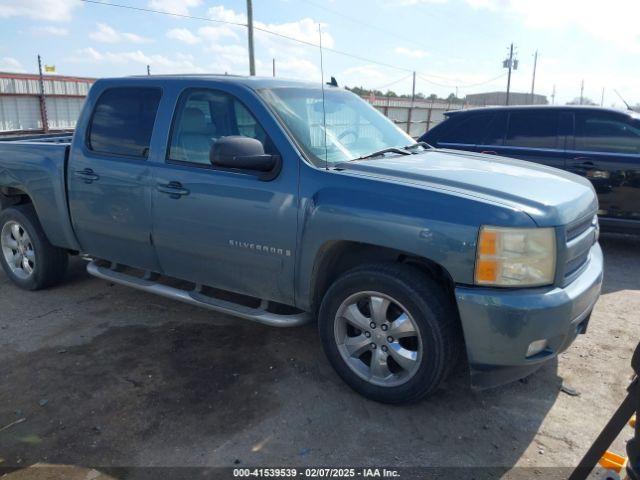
{"x": 20, "y": 106}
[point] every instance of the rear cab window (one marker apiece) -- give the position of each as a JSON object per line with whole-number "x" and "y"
{"x": 122, "y": 121}
{"x": 496, "y": 130}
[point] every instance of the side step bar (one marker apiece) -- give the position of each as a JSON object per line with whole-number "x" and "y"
{"x": 194, "y": 297}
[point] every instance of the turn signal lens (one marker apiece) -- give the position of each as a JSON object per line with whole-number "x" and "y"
{"x": 515, "y": 257}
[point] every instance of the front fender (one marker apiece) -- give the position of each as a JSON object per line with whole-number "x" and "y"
{"x": 439, "y": 226}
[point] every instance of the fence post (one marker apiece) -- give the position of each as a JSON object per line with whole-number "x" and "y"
{"x": 43, "y": 102}
{"x": 429, "y": 117}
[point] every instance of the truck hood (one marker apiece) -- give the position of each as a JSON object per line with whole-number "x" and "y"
{"x": 549, "y": 196}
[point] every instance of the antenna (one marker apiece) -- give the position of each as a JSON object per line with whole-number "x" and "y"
{"x": 623, "y": 100}
{"x": 324, "y": 112}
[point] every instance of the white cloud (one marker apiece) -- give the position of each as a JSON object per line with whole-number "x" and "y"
{"x": 178, "y": 7}
{"x": 108, "y": 34}
{"x": 409, "y": 3}
{"x": 305, "y": 29}
{"x": 219, "y": 12}
{"x": 489, "y": 4}
{"x": 412, "y": 53}
{"x": 51, "y": 30}
{"x": 52, "y": 10}
{"x": 10, "y": 64}
{"x": 183, "y": 35}
{"x": 364, "y": 75}
{"x": 178, "y": 63}
{"x": 226, "y": 44}
{"x": 614, "y": 21}
{"x": 89, "y": 54}
{"x": 213, "y": 35}
{"x": 298, "y": 68}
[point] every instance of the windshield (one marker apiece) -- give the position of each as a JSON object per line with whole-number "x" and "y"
{"x": 353, "y": 127}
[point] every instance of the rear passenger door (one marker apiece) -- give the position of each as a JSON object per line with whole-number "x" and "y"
{"x": 109, "y": 177}
{"x": 607, "y": 152}
{"x": 535, "y": 135}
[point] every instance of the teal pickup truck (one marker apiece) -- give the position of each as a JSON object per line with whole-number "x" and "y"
{"x": 279, "y": 202}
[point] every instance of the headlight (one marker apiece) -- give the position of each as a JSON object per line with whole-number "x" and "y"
{"x": 516, "y": 257}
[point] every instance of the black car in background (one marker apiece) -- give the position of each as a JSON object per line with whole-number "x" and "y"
{"x": 598, "y": 143}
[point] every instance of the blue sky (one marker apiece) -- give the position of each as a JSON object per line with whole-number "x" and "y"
{"x": 448, "y": 42}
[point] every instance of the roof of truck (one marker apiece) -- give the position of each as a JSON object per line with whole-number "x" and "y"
{"x": 251, "y": 82}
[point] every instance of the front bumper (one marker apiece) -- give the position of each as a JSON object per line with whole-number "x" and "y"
{"x": 499, "y": 324}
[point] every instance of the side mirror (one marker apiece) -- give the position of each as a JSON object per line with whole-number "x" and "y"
{"x": 244, "y": 153}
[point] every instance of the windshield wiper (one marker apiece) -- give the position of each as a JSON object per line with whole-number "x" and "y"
{"x": 378, "y": 153}
{"x": 413, "y": 146}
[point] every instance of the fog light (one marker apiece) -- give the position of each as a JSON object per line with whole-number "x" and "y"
{"x": 536, "y": 347}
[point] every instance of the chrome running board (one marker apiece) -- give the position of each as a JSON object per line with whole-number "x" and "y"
{"x": 110, "y": 272}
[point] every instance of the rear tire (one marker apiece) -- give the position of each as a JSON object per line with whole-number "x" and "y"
{"x": 26, "y": 255}
{"x": 411, "y": 358}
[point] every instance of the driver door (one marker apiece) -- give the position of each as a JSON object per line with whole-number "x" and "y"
{"x": 222, "y": 228}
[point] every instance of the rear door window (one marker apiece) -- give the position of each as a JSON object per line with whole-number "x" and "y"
{"x": 122, "y": 121}
{"x": 605, "y": 132}
{"x": 533, "y": 129}
{"x": 467, "y": 131}
{"x": 496, "y": 131}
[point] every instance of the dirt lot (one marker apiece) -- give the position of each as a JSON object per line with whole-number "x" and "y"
{"x": 108, "y": 376}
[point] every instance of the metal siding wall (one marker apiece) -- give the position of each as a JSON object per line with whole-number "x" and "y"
{"x": 20, "y": 113}
{"x": 20, "y": 108}
{"x": 63, "y": 112}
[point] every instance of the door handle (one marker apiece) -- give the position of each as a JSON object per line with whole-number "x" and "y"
{"x": 87, "y": 175}
{"x": 583, "y": 162}
{"x": 173, "y": 189}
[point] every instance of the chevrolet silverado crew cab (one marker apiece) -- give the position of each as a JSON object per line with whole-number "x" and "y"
{"x": 280, "y": 203}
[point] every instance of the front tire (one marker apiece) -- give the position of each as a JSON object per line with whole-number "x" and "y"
{"x": 390, "y": 332}
{"x": 26, "y": 255}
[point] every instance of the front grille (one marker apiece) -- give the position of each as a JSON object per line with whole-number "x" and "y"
{"x": 578, "y": 228}
{"x": 580, "y": 237}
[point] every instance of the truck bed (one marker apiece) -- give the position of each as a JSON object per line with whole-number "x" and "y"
{"x": 58, "y": 137}
{"x": 37, "y": 167}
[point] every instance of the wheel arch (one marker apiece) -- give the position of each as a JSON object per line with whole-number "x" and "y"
{"x": 10, "y": 196}
{"x": 337, "y": 257}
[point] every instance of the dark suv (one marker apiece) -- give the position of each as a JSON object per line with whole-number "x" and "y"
{"x": 598, "y": 143}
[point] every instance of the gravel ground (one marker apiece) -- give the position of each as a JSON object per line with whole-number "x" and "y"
{"x": 106, "y": 376}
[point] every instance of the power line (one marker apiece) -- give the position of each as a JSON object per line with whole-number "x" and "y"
{"x": 462, "y": 85}
{"x": 244, "y": 25}
{"x": 270, "y": 32}
{"x": 394, "y": 82}
{"x": 359, "y": 22}
{"x": 162, "y": 12}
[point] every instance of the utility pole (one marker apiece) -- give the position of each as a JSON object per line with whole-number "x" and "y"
{"x": 511, "y": 64}
{"x": 43, "y": 102}
{"x": 533, "y": 80}
{"x": 581, "y": 92}
{"x": 553, "y": 95}
{"x": 252, "y": 62}
{"x": 273, "y": 66}
{"x": 602, "y": 98}
{"x": 148, "y": 70}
